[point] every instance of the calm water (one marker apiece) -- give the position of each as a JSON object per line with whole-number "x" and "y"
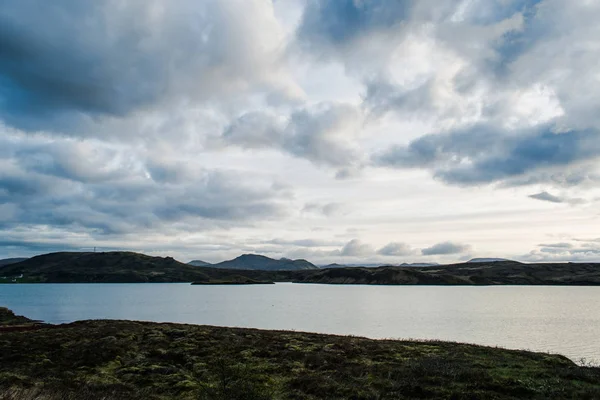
{"x": 562, "y": 320}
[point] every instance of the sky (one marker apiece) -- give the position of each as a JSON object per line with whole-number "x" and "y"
{"x": 349, "y": 131}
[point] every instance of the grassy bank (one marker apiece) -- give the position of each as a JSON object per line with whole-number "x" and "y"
{"x": 126, "y": 359}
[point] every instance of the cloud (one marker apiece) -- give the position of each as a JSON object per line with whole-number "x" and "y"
{"x": 560, "y": 252}
{"x": 562, "y": 245}
{"x": 396, "y": 249}
{"x": 356, "y": 248}
{"x": 322, "y": 133}
{"x": 545, "y": 196}
{"x": 336, "y": 23}
{"x": 65, "y": 61}
{"x": 445, "y": 248}
{"x": 485, "y": 154}
{"x": 108, "y": 191}
{"x": 327, "y": 209}
{"x": 304, "y": 242}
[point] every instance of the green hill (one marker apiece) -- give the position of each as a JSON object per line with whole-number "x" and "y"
{"x": 480, "y": 273}
{"x": 199, "y": 263}
{"x": 105, "y": 267}
{"x": 8, "y": 261}
{"x": 257, "y": 262}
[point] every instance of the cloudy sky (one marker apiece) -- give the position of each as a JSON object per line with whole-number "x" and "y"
{"x": 333, "y": 130}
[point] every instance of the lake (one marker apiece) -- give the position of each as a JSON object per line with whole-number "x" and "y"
{"x": 555, "y": 319}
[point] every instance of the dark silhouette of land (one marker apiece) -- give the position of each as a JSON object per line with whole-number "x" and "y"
{"x": 258, "y": 262}
{"x": 124, "y": 267}
{"x": 142, "y": 360}
{"x": 481, "y": 273}
{"x": 8, "y": 261}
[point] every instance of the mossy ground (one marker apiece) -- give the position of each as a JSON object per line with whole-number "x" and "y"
{"x": 8, "y": 318}
{"x": 125, "y": 359}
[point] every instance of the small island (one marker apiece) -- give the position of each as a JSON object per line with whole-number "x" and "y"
{"x": 144, "y": 360}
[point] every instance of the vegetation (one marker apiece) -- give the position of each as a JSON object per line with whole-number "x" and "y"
{"x": 482, "y": 273}
{"x": 8, "y": 261}
{"x": 126, "y": 359}
{"x": 257, "y": 262}
{"x": 133, "y": 267}
{"x": 8, "y": 318}
{"x": 114, "y": 267}
{"x": 129, "y": 267}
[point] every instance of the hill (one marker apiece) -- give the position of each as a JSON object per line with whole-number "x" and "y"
{"x": 8, "y": 318}
{"x": 199, "y": 263}
{"x": 481, "y": 273}
{"x": 8, "y": 261}
{"x": 257, "y": 262}
{"x": 486, "y": 260}
{"x": 334, "y": 265}
{"x": 142, "y": 360}
{"x": 418, "y": 264}
{"x": 122, "y": 267}
{"x": 105, "y": 267}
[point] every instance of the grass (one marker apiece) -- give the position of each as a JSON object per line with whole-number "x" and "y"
{"x": 127, "y": 359}
{"x": 8, "y": 318}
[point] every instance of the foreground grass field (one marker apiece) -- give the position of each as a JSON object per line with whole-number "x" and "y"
{"x": 125, "y": 359}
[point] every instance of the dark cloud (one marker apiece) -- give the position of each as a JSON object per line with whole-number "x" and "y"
{"x": 137, "y": 200}
{"x": 562, "y": 245}
{"x": 486, "y": 154}
{"x": 396, "y": 249}
{"x": 445, "y": 248}
{"x": 383, "y": 96}
{"x": 341, "y": 21}
{"x": 64, "y": 61}
{"x": 545, "y": 196}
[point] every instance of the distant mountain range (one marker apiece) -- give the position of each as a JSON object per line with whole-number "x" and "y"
{"x": 474, "y": 273}
{"x": 199, "y": 263}
{"x": 257, "y": 262}
{"x": 418, "y": 264}
{"x": 334, "y": 265}
{"x": 487, "y": 260}
{"x": 115, "y": 267}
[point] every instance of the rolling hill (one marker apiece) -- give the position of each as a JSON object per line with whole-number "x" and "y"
{"x": 103, "y": 267}
{"x": 8, "y": 261}
{"x": 121, "y": 267}
{"x": 199, "y": 263}
{"x": 481, "y": 273}
{"x": 257, "y": 262}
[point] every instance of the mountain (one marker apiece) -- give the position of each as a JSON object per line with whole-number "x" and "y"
{"x": 257, "y": 262}
{"x": 418, "y": 264}
{"x": 334, "y": 265}
{"x": 486, "y": 260}
{"x": 199, "y": 263}
{"x": 102, "y": 267}
{"x": 8, "y": 261}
